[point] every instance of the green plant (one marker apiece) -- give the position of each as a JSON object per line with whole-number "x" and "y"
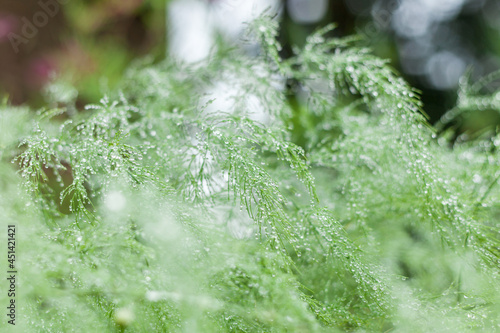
{"x": 154, "y": 211}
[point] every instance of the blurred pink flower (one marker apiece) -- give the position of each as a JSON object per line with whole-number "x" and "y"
{"x": 40, "y": 71}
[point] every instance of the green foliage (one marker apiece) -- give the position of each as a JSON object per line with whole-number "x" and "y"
{"x": 474, "y": 99}
{"x": 329, "y": 205}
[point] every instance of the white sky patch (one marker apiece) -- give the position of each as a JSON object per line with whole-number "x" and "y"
{"x": 190, "y": 30}
{"x": 231, "y": 16}
{"x": 414, "y": 18}
{"x": 193, "y": 24}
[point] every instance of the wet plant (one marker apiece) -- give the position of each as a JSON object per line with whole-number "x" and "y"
{"x": 326, "y": 205}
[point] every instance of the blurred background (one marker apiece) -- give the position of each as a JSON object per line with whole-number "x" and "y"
{"x": 88, "y": 44}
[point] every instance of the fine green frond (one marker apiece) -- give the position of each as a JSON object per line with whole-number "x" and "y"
{"x": 253, "y": 194}
{"x": 473, "y": 98}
